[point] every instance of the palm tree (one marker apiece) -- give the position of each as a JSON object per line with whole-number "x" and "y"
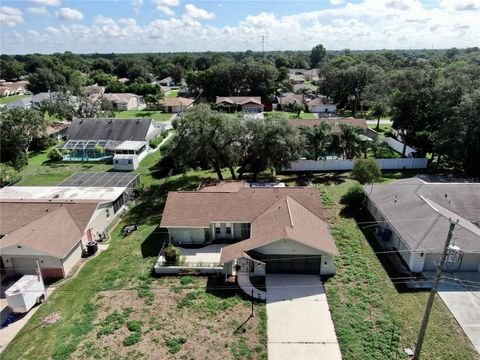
{"x": 154, "y": 99}
{"x": 317, "y": 138}
{"x": 379, "y": 109}
{"x": 349, "y": 139}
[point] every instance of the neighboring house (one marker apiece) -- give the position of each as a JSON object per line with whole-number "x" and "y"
{"x": 100, "y": 139}
{"x": 125, "y": 101}
{"x": 309, "y": 88}
{"x": 94, "y": 90}
{"x": 296, "y": 79}
{"x": 13, "y": 88}
{"x": 334, "y": 122}
{"x": 321, "y": 105}
{"x": 289, "y": 99}
{"x": 36, "y": 100}
{"x": 413, "y": 221}
{"x": 268, "y": 229}
{"x": 168, "y": 81}
{"x": 51, "y": 225}
{"x": 247, "y": 104}
{"x": 176, "y": 104}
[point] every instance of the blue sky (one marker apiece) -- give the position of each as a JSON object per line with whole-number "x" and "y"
{"x": 88, "y": 26}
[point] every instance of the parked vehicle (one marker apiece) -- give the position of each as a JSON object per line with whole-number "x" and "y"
{"x": 25, "y": 293}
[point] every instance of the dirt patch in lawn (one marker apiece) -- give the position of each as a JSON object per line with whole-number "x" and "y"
{"x": 186, "y": 318}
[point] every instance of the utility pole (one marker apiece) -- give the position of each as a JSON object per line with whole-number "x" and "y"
{"x": 426, "y": 316}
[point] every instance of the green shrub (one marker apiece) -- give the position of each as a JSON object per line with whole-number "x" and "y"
{"x": 55, "y": 155}
{"x": 134, "y": 325}
{"x": 354, "y": 197}
{"x": 175, "y": 344}
{"x": 366, "y": 170}
{"x": 8, "y": 175}
{"x": 185, "y": 280}
{"x": 171, "y": 254}
{"x": 132, "y": 339}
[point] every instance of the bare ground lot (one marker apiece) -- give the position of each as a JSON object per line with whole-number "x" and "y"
{"x": 191, "y": 321}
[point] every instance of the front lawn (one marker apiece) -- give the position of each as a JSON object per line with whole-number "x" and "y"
{"x": 383, "y": 127}
{"x": 290, "y": 115}
{"x": 156, "y": 115}
{"x": 10, "y": 99}
{"x": 115, "y": 308}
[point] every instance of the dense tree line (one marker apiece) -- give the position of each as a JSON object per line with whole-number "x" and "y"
{"x": 431, "y": 95}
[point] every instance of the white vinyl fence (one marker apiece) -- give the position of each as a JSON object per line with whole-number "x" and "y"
{"x": 345, "y": 165}
{"x": 398, "y": 146}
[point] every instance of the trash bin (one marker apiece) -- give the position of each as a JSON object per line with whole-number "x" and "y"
{"x": 92, "y": 247}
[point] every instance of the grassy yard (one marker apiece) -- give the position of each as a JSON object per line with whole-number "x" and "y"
{"x": 10, "y": 99}
{"x": 156, "y": 115}
{"x": 114, "y": 308}
{"x": 172, "y": 93}
{"x": 40, "y": 171}
{"x": 373, "y": 318}
{"x": 383, "y": 127}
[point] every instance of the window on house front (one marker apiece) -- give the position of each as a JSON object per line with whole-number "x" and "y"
{"x": 107, "y": 213}
{"x": 228, "y": 230}
{"x": 217, "y": 231}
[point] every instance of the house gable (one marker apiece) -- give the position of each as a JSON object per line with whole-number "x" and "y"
{"x": 287, "y": 246}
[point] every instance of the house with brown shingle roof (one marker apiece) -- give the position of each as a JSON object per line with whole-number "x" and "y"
{"x": 248, "y": 104}
{"x": 52, "y": 225}
{"x": 269, "y": 229}
{"x": 176, "y": 104}
{"x": 322, "y": 105}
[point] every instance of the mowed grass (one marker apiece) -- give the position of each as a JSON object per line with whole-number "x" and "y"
{"x": 10, "y": 99}
{"x": 372, "y": 318}
{"x": 172, "y": 93}
{"x": 41, "y": 172}
{"x": 115, "y": 293}
{"x": 156, "y": 115}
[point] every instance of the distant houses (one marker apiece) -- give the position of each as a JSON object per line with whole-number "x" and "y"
{"x": 126, "y": 141}
{"x": 322, "y": 105}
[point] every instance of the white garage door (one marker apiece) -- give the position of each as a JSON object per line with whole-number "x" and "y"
{"x": 25, "y": 265}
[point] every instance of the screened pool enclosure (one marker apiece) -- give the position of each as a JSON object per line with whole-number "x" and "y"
{"x": 88, "y": 150}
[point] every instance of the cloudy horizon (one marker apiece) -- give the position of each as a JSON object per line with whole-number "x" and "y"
{"x": 129, "y": 26}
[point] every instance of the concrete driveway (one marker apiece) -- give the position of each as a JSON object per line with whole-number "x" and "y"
{"x": 299, "y": 324}
{"x": 462, "y": 297}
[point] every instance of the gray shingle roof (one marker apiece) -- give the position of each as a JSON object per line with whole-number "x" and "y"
{"x": 112, "y": 129}
{"x": 409, "y": 206}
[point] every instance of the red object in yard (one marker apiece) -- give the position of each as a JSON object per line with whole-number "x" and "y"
{"x": 89, "y": 234}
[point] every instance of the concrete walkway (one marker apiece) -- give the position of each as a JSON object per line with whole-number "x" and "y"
{"x": 299, "y": 324}
{"x": 462, "y": 297}
{"x": 243, "y": 280}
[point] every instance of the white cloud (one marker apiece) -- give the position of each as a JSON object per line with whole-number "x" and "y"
{"x": 369, "y": 24}
{"x": 166, "y": 10}
{"x": 41, "y": 10}
{"x": 127, "y": 21}
{"x": 69, "y": 14}
{"x": 102, "y": 20}
{"x": 193, "y": 12}
{"x": 52, "y": 30}
{"x": 337, "y": 2}
{"x": 46, "y": 2}
{"x": 461, "y": 5}
{"x": 10, "y": 16}
{"x": 137, "y": 3}
{"x": 165, "y": 6}
{"x": 33, "y": 32}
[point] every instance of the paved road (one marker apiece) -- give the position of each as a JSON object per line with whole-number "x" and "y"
{"x": 464, "y": 304}
{"x": 382, "y": 122}
{"x": 299, "y": 324}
